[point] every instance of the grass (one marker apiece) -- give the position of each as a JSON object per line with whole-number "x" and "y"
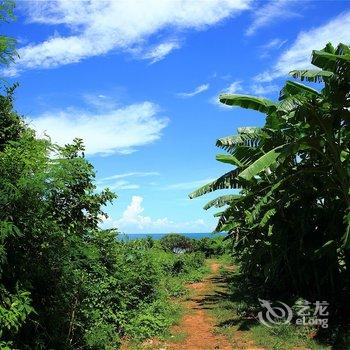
{"x": 243, "y": 331}
{"x": 228, "y": 307}
{"x": 175, "y": 287}
{"x": 285, "y": 337}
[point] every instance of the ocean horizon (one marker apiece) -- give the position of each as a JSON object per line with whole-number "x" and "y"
{"x": 156, "y": 236}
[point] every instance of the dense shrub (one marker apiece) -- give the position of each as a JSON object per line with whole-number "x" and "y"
{"x": 176, "y": 243}
{"x": 214, "y": 246}
{"x": 65, "y": 283}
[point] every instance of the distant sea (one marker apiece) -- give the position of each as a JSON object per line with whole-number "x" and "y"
{"x": 132, "y": 236}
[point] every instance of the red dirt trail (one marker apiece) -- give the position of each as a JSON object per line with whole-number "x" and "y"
{"x": 198, "y": 325}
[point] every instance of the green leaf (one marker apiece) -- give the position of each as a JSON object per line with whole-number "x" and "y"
{"x": 292, "y": 88}
{"x": 228, "y": 158}
{"x": 311, "y": 75}
{"x": 229, "y": 142}
{"x": 321, "y": 251}
{"x": 267, "y": 216}
{"x": 221, "y": 201}
{"x": 250, "y": 102}
{"x": 228, "y": 180}
{"x": 261, "y": 164}
{"x": 344, "y": 155}
{"x": 346, "y": 236}
{"x": 328, "y": 61}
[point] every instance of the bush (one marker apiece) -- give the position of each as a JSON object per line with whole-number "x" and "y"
{"x": 213, "y": 246}
{"x": 65, "y": 283}
{"x": 176, "y": 243}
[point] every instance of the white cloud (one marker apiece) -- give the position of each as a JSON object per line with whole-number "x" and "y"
{"x": 298, "y": 55}
{"x": 188, "y": 185}
{"x": 100, "y": 101}
{"x": 98, "y": 27}
{"x": 196, "y": 91}
{"x": 272, "y": 45}
{"x": 234, "y": 88}
{"x": 119, "y": 182}
{"x": 271, "y": 12}
{"x": 160, "y": 51}
{"x": 136, "y": 173}
{"x": 107, "y": 132}
{"x": 133, "y": 220}
{"x": 118, "y": 185}
{"x": 261, "y": 90}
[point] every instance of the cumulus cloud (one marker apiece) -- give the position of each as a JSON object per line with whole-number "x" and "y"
{"x": 133, "y": 220}
{"x": 199, "y": 89}
{"x": 98, "y": 27}
{"x": 114, "y": 131}
{"x": 297, "y": 56}
{"x": 273, "y": 11}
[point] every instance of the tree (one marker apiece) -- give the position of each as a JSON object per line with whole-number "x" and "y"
{"x": 290, "y": 221}
{"x": 176, "y": 243}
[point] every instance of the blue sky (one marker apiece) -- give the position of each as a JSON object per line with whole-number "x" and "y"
{"x": 139, "y": 80}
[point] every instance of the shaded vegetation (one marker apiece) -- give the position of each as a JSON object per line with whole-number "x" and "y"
{"x": 231, "y": 302}
{"x": 289, "y": 216}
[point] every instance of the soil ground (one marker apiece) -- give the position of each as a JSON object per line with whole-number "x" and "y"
{"x": 198, "y": 327}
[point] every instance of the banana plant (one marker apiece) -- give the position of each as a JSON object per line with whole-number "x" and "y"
{"x": 291, "y": 219}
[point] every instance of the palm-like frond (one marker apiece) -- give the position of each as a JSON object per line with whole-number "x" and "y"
{"x": 261, "y": 164}
{"x": 229, "y": 159}
{"x": 295, "y": 213}
{"x": 226, "y": 181}
{"x": 246, "y": 155}
{"x": 222, "y": 201}
{"x": 312, "y": 76}
{"x": 290, "y": 104}
{"x": 330, "y": 62}
{"x": 267, "y": 216}
{"x": 229, "y": 143}
{"x": 292, "y": 88}
{"x": 259, "y": 104}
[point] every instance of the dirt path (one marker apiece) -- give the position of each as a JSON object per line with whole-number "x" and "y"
{"x": 196, "y": 331}
{"x": 198, "y": 325}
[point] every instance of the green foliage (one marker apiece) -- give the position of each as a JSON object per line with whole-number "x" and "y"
{"x": 64, "y": 282}
{"x": 176, "y": 243}
{"x": 256, "y": 103}
{"x": 235, "y": 308}
{"x": 7, "y": 44}
{"x": 290, "y": 222}
{"x": 214, "y": 246}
